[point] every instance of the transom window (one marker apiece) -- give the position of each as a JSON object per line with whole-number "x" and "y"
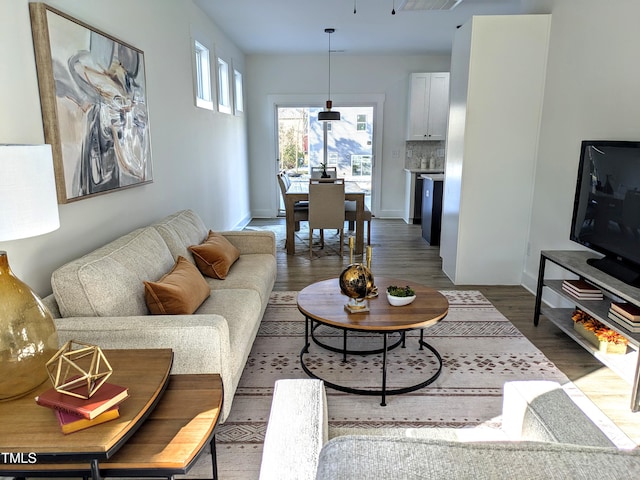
{"x": 203, "y": 76}
{"x": 224, "y": 95}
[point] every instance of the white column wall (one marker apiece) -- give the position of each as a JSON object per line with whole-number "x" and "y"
{"x": 491, "y": 147}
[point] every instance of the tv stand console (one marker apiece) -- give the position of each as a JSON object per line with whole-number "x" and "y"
{"x": 577, "y": 262}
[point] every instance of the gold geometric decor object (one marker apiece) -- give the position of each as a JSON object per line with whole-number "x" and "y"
{"x": 78, "y": 369}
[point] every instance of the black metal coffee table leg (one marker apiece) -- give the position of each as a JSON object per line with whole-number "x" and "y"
{"x": 384, "y": 371}
{"x": 383, "y": 391}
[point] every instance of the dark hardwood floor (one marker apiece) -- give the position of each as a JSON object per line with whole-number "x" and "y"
{"x": 399, "y": 251}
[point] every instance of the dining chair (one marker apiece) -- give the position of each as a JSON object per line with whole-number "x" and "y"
{"x": 326, "y": 209}
{"x": 316, "y": 172}
{"x": 350, "y": 216}
{"x": 300, "y": 209}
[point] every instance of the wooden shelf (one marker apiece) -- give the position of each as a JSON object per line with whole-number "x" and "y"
{"x": 627, "y": 366}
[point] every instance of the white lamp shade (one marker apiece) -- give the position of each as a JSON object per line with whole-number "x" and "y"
{"x": 28, "y": 198}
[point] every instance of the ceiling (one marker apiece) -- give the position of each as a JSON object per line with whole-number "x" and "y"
{"x": 297, "y": 26}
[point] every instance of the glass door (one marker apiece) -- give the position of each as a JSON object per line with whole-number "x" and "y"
{"x": 347, "y": 144}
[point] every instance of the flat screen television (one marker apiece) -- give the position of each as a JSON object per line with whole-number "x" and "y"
{"x": 606, "y": 212}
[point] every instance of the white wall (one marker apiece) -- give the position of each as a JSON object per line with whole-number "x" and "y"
{"x": 387, "y": 76}
{"x": 199, "y": 157}
{"x": 592, "y": 92}
{"x": 491, "y": 145}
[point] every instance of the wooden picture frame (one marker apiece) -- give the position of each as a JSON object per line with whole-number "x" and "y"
{"x": 94, "y": 106}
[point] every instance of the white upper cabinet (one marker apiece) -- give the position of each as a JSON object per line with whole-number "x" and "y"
{"x": 428, "y": 106}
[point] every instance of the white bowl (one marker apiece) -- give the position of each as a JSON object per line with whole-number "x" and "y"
{"x": 400, "y": 301}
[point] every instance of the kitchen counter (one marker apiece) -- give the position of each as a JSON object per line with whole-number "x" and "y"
{"x": 436, "y": 177}
{"x": 413, "y": 193}
{"x": 420, "y": 170}
{"x": 432, "y": 185}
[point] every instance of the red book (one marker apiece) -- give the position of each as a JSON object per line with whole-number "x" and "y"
{"x": 581, "y": 286}
{"x": 627, "y": 310}
{"x": 70, "y": 422}
{"x": 624, "y": 322}
{"x": 582, "y": 290}
{"x": 107, "y": 396}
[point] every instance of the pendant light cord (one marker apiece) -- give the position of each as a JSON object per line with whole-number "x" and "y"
{"x": 330, "y": 64}
{"x": 328, "y": 114}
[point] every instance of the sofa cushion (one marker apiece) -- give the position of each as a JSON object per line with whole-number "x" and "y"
{"x": 542, "y": 411}
{"x": 250, "y": 271}
{"x": 180, "y": 292}
{"x": 242, "y": 311}
{"x": 108, "y": 281}
{"x": 360, "y": 457}
{"x": 215, "y": 256}
{"x": 180, "y": 231}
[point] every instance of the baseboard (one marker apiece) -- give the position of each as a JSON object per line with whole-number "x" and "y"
{"x": 262, "y": 213}
{"x": 391, "y": 214}
{"x": 549, "y": 298}
{"x": 530, "y": 282}
{"x": 242, "y": 223}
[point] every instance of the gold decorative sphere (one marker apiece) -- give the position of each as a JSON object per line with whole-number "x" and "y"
{"x": 356, "y": 281}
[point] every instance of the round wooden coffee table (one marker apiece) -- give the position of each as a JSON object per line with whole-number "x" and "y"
{"x": 322, "y": 303}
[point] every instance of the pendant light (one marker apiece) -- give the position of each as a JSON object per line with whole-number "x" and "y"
{"x": 328, "y": 114}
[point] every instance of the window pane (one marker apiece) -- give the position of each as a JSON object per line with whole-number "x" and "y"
{"x": 203, "y": 77}
{"x": 239, "y": 97}
{"x": 360, "y": 165}
{"x": 224, "y": 98}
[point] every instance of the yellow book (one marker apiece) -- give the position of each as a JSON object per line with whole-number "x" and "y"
{"x": 70, "y": 423}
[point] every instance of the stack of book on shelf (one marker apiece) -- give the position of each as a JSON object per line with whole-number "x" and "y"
{"x": 626, "y": 315}
{"x": 582, "y": 290}
{"x": 75, "y": 413}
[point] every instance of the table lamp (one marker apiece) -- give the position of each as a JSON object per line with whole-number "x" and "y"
{"x": 28, "y": 336}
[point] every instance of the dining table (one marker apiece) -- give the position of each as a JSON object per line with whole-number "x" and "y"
{"x": 299, "y": 191}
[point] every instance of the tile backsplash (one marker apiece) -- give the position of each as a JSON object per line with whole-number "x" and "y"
{"x": 416, "y": 151}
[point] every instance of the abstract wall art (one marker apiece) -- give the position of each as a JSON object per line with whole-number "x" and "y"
{"x": 94, "y": 106}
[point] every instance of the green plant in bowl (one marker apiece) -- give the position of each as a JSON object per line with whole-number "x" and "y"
{"x": 399, "y": 296}
{"x": 395, "y": 291}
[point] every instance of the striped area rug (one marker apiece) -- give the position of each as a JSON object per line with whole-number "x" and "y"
{"x": 480, "y": 349}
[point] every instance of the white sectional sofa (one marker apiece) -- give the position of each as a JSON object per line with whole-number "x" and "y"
{"x": 100, "y": 298}
{"x": 544, "y": 436}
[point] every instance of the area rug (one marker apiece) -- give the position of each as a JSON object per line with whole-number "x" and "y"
{"x": 480, "y": 350}
{"x": 301, "y": 238}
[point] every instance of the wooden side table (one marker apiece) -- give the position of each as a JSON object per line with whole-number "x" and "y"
{"x": 164, "y": 425}
{"x": 173, "y": 437}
